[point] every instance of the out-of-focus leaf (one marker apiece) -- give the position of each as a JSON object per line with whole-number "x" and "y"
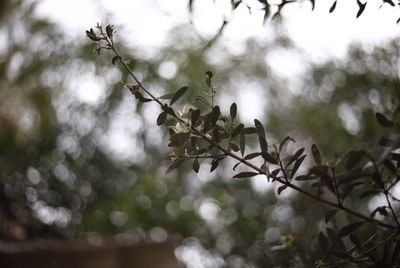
{"x": 353, "y": 158}
{"x": 316, "y": 154}
{"x": 196, "y": 165}
{"x": 348, "y": 229}
{"x": 396, "y": 251}
{"x": 323, "y": 242}
{"x": 179, "y": 93}
{"x": 383, "y": 121}
{"x": 330, "y": 214}
{"x": 305, "y": 178}
{"x": 178, "y": 139}
{"x": 166, "y": 96}
{"x": 195, "y": 116}
{"x": 246, "y": 174}
{"x": 174, "y": 165}
{"x": 140, "y": 97}
{"x": 377, "y": 178}
{"x": 115, "y": 59}
{"x": 337, "y": 242}
{"x": 332, "y": 7}
{"x": 209, "y": 75}
{"x": 284, "y": 141}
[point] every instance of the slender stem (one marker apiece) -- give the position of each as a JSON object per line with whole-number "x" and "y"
{"x": 392, "y": 210}
{"x": 246, "y": 162}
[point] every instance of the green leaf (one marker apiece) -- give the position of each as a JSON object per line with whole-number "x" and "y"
{"x": 234, "y": 146}
{"x": 166, "y": 96}
{"x": 316, "y": 154}
{"x": 361, "y": 8}
{"x": 196, "y": 165}
{"x": 332, "y": 7}
{"x": 383, "y": 121}
{"x": 330, "y": 214}
{"x": 348, "y": 229}
{"x": 249, "y": 130}
{"x": 233, "y": 110}
{"x": 161, "y": 118}
{"x": 115, "y": 59}
{"x": 179, "y": 93}
{"x": 259, "y": 128}
{"x": 246, "y": 174}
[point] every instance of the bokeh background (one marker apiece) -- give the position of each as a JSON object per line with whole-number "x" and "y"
{"x": 81, "y": 159}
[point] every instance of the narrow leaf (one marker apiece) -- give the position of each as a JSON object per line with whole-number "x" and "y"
{"x": 237, "y": 130}
{"x": 269, "y": 158}
{"x": 354, "y": 157}
{"x": 330, "y": 214}
{"x": 214, "y": 165}
{"x": 295, "y": 156}
{"x": 245, "y": 174}
{"x": 263, "y": 144}
{"x": 337, "y": 242}
{"x": 332, "y": 7}
{"x": 361, "y": 8}
{"x": 284, "y": 141}
{"x": 233, "y": 110}
{"x": 316, "y": 154}
{"x": 348, "y": 229}
{"x": 297, "y": 165}
{"x": 259, "y": 128}
{"x": 242, "y": 143}
{"x": 281, "y": 188}
{"x": 166, "y": 96}
{"x": 195, "y": 116}
{"x": 323, "y": 242}
{"x": 251, "y": 156}
{"x": 179, "y": 93}
{"x": 196, "y": 165}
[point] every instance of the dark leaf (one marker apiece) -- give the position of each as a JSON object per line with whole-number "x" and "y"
{"x": 115, "y": 59}
{"x": 296, "y": 155}
{"x": 340, "y": 254}
{"x": 263, "y": 144}
{"x": 396, "y": 251}
{"x": 281, "y": 188}
{"x": 175, "y": 165}
{"x": 356, "y": 242}
{"x": 330, "y": 214}
{"x": 195, "y": 116}
{"x": 161, "y": 118}
{"x": 196, "y": 165}
{"x": 168, "y": 109}
{"x": 376, "y": 177}
{"x": 178, "y": 139}
{"x": 109, "y": 31}
{"x": 237, "y": 130}
{"x": 214, "y": 165}
{"x": 249, "y": 130}
{"x": 305, "y": 178}
{"x": 398, "y": 20}
{"x": 285, "y": 140}
{"x": 337, "y": 242}
{"x": 297, "y": 165}
{"x": 209, "y": 75}
{"x": 140, "y": 97}
{"x": 332, "y": 7}
{"x": 354, "y": 157}
{"x": 312, "y": 4}
{"x": 242, "y": 143}
{"x": 166, "y": 96}
{"x": 215, "y": 113}
{"x": 361, "y": 7}
{"x": 389, "y": 165}
{"x": 321, "y": 171}
{"x": 275, "y": 172}
{"x": 233, "y": 110}
{"x": 369, "y": 193}
{"x": 234, "y": 146}
{"x": 179, "y": 93}
{"x": 390, "y": 2}
{"x": 246, "y": 174}
{"x": 323, "y": 242}
{"x": 269, "y": 158}
{"x": 316, "y": 154}
{"x": 251, "y": 156}
{"x": 236, "y": 165}
{"x": 383, "y": 121}
{"x": 348, "y": 229}
{"x": 259, "y": 128}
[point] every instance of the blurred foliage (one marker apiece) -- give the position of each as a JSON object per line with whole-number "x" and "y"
{"x": 62, "y": 173}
